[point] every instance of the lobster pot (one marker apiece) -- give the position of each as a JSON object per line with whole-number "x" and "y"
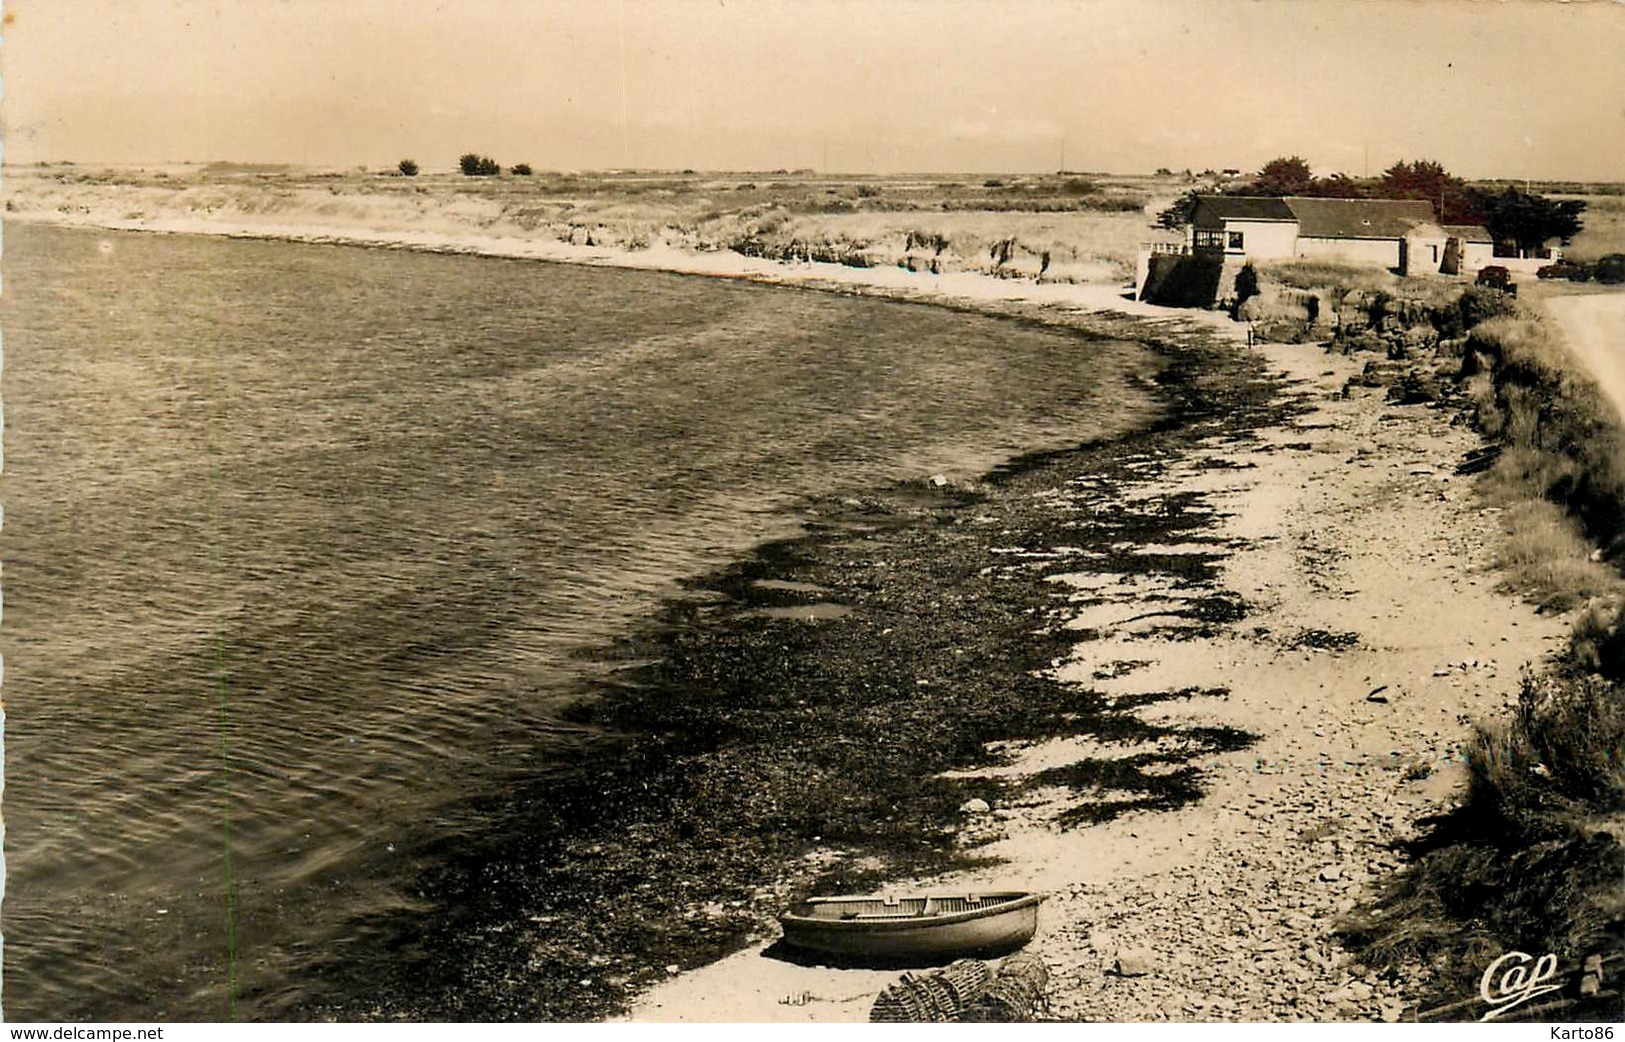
{"x": 1015, "y": 994}
{"x": 933, "y": 998}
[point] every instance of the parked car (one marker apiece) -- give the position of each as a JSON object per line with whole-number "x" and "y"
{"x": 1610, "y": 268}
{"x": 1496, "y": 277}
{"x": 1565, "y": 269}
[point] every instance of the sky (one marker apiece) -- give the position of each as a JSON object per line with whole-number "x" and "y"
{"x": 1490, "y": 88}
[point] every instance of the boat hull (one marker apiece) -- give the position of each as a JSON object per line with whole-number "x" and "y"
{"x": 916, "y": 930}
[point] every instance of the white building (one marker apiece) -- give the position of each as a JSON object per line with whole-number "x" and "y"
{"x": 1398, "y": 234}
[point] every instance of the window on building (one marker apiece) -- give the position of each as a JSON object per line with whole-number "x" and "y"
{"x": 1208, "y": 239}
{"x": 1235, "y": 241}
{"x": 1435, "y": 250}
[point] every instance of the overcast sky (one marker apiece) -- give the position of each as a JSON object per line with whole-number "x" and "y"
{"x": 1523, "y": 88}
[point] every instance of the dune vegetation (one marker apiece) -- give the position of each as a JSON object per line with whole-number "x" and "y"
{"x": 1531, "y": 857}
{"x": 1062, "y": 227}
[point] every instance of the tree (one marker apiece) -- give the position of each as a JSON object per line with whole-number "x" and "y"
{"x": 1423, "y": 179}
{"x": 1528, "y": 220}
{"x": 1288, "y": 175}
{"x": 472, "y": 164}
{"x": 1454, "y": 201}
{"x": 1179, "y": 214}
{"x": 1338, "y": 186}
{"x": 521, "y": 169}
{"x": 408, "y": 167}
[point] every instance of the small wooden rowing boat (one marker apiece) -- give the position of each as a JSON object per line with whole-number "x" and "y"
{"x": 918, "y": 929}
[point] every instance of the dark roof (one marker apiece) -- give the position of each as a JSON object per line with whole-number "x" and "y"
{"x": 1212, "y": 210}
{"x": 1358, "y": 218}
{"x": 1469, "y": 232}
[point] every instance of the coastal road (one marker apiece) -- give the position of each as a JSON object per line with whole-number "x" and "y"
{"x": 1593, "y": 325}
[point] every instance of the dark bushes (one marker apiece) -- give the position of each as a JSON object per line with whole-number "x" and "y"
{"x": 1476, "y": 305}
{"x": 1247, "y": 288}
{"x": 1558, "y": 757}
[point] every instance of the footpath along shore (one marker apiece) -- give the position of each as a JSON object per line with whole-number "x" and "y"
{"x": 1374, "y": 634}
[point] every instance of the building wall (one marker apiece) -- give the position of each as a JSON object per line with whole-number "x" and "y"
{"x": 1475, "y": 255}
{"x": 1524, "y": 265}
{"x": 1380, "y": 252}
{"x": 1262, "y": 240}
{"x": 1425, "y": 253}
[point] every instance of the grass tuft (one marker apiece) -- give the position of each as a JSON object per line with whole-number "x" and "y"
{"x": 1533, "y": 857}
{"x": 1531, "y": 860}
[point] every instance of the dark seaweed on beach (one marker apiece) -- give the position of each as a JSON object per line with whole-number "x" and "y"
{"x": 746, "y": 754}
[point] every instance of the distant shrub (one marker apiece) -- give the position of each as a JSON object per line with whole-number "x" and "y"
{"x": 472, "y": 164}
{"x": 867, "y": 191}
{"x": 521, "y": 169}
{"x": 407, "y": 167}
{"x": 1113, "y": 203}
{"x": 1576, "y": 451}
{"x": 1079, "y": 186}
{"x": 1177, "y": 216}
{"x": 1543, "y": 555}
{"x": 993, "y": 182}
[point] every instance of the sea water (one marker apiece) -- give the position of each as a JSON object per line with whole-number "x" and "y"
{"x": 305, "y": 546}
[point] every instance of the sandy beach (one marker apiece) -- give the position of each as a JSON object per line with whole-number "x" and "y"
{"x": 1374, "y": 635}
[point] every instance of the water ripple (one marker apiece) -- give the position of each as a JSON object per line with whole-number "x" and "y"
{"x": 305, "y": 548}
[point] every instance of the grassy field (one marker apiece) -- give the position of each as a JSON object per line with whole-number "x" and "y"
{"x": 1604, "y": 230}
{"x": 1063, "y": 227}
{"x": 1066, "y": 227}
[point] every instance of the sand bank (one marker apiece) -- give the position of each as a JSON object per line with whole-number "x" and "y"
{"x": 449, "y": 222}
